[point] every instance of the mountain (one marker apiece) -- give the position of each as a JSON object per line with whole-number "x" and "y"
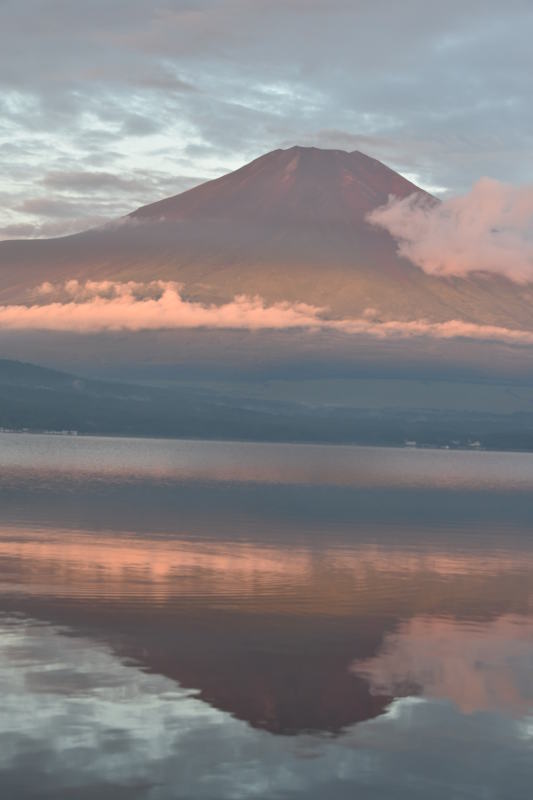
{"x": 34, "y": 398}
{"x": 290, "y": 225}
{"x": 37, "y": 399}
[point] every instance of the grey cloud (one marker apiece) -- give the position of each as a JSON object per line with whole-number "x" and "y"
{"x": 88, "y": 185}
{"x": 64, "y": 227}
{"x": 153, "y": 77}
{"x": 165, "y": 81}
{"x": 44, "y": 207}
{"x": 137, "y": 125}
{"x": 80, "y": 180}
{"x": 49, "y": 228}
{"x": 75, "y": 200}
{"x": 19, "y": 230}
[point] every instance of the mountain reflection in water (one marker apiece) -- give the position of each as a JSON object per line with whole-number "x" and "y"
{"x": 306, "y": 605}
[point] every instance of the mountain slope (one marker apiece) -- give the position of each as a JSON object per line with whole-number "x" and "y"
{"x": 288, "y": 226}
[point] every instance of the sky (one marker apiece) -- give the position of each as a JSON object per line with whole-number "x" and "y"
{"x": 106, "y": 106}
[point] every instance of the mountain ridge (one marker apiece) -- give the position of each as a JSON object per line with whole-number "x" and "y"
{"x": 38, "y": 399}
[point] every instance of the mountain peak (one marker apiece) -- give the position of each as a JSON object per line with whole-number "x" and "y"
{"x": 297, "y": 184}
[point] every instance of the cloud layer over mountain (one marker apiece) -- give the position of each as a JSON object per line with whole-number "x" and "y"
{"x": 93, "y": 307}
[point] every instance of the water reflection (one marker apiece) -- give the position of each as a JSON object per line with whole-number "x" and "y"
{"x": 303, "y": 638}
{"x": 161, "y": 627}
{"x": 84, "y": 724}
{"x": 478, "y": 666}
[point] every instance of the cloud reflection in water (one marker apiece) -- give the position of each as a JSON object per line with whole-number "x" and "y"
{"x": 82, "y": 723}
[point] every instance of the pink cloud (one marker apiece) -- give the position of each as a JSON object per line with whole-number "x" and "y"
{"x": 106, "y": 306}
{"x": 479, "y": 668}
{"x": 488, "y": 230}
{"x": 451, "y": 329}
{"x": 95, "y": 306}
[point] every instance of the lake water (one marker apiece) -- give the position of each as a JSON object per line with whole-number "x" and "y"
{"x": 217, "y": 620}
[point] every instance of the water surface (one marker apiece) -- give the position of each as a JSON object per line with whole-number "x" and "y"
{"x": 219, "y": 620}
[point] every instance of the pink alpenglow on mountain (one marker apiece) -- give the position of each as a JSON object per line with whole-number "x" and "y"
{"x": 299, "y": 185}
{"x": 294, "y": 227}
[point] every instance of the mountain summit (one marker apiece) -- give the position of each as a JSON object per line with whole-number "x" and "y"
{"x": 301, "y": 184}
{"x": 289, "y": 226}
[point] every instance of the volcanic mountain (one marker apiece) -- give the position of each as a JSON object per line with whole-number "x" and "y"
{"x": 289, "y": 226}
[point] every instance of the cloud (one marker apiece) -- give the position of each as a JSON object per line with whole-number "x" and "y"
{"x": 451, "y": 329}
{"x": 139, "y": 125}
{"x": 45, "y": 207}
{"x": 49, "y": 229}
{"x": 153, "y": 77}
{"x": 85, "y": 198}
{"x": 488, "y": 230}
{"x": 96, "y": 306}
{"x": 17, "y": 230}
{"x": 107, "y": 306}
{"x": 480, "y": 669}
{"x": 76, "y": 180}
{"x": 87, "y": 183}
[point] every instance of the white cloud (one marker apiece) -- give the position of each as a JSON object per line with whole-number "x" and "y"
{"x": 488, "y": 230}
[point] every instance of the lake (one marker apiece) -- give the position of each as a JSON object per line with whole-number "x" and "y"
{"x": 206, "y": 620}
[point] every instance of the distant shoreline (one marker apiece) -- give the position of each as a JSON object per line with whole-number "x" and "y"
{"x": 474, "y": 448}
